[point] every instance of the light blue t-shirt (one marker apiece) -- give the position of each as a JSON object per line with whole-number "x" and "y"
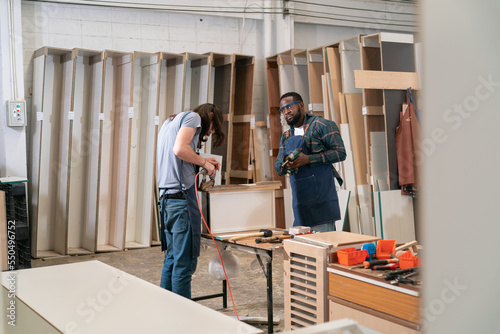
{"x": 169, "y": 165}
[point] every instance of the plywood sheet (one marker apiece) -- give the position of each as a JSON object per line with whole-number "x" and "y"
{"x": 82, "y": 188}
{"x": 385, "y": 80}
{"x": 335, "y": 239}
{"x": 394, "y": 216}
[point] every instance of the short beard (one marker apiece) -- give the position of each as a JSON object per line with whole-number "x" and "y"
{"x": 294, "y": 120}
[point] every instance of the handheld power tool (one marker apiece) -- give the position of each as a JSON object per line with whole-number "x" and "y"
{"x": 205, "y": 184}
{"x": 291, "y": 157}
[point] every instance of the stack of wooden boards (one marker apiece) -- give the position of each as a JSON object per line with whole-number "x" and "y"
{"x": 92, "y": 149}
{"x": 360, "y": 83}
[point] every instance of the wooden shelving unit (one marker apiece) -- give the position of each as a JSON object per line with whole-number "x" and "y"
{"x": 114, "y": 156}
{"x": 50, "y": 94}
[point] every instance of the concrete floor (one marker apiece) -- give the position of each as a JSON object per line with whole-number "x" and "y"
{"x": 248, "y": 288}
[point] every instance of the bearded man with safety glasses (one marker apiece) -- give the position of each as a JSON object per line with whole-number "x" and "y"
{"x": 315, "y": 144}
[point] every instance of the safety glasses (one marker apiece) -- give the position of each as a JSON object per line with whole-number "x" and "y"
{"x": 288, "y": 106}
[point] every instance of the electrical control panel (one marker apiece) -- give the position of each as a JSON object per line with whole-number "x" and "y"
{"x": 16, "y": 113}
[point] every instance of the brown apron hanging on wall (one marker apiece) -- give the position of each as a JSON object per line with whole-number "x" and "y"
{"x": 407, "y": 135}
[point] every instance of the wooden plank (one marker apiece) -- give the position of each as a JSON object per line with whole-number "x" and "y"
{"x": 114, "y": 150}
{"x": 394, "y": 215}
{"x": 300, "y": 74}
{"x": 350, "y": 182}
{"x": 315, "y": 72}
{"x": 335, "y": 79}
{"x": 402, "y": 305}
{"x": 45, "y": 164}
{"x": 335, "y": 239}
{"x": 373, "y": 111}
{"x": 220, "y": 83}
{"x": 142, "y": 150}
{"x": 357, "y": 136}
{"x": 84, "y": 132}
{"x": 350, "y": 60}
{"x": 385, "y": 80}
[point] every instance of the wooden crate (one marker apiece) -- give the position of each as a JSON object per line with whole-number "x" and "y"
{"x": 305, "y": 270}
{"x": 233, "y": 208}
{"x": 305, "y": 284}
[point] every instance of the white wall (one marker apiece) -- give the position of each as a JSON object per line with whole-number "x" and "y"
{"x": 125, "y": 29}
{"x": 460, "y": 192}
{"x": 12, "y": 139}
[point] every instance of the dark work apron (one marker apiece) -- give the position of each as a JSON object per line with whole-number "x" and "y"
{"x": 193, "y": 210}
{"x": 315, "y": 200}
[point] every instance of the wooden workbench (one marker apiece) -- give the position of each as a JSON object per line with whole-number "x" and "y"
{"x": 364, "y": 296}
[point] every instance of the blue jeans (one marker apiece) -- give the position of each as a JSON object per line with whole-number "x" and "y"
{"x": 179, "y": 264}
{"x": 324, "y": 227}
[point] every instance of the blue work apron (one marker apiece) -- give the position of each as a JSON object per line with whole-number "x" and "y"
{"x": 315, "y": 200}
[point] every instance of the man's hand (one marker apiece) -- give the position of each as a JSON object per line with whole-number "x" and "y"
{"x": 301, "y": 160}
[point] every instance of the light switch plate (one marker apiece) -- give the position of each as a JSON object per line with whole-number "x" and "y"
{"x": 16, "y": 113}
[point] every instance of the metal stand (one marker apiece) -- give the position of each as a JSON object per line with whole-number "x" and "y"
{"x": 223, "y": 294}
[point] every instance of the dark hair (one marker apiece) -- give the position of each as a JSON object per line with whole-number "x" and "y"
{"x": 204, "y": 111}
{"x": 296, "y": 96}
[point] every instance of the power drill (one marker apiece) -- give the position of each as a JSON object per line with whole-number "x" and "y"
{"x": 292, "y": 156}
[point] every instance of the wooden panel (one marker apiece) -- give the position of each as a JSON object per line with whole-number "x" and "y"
{"x": 304, "y": 284}
{"x": 394, "y": 216}
{"x": 350, "y": 60}
{"x": 335, "y": 239}
{"x": 357, "y": 136}
{"x": 83, "y": 162}
{"x": 142, "y": 150}
{"x": 220, "y": 81}
{"x": 242, "y": 81}
{"x": 45, "y": 147}
{"x": 248, "y": 209}
{"x": 315, "y": 71}
{"x": 113, "y": 191}
{"x": 300, "y": 75}
{"x": 196, "y": 80}
{"x": 385, "y": 80}
{"x": 369, "y": 318}
{"x": 76, "y": 282}
{"x": 335, "y": 78}
{"x": 378, "y": 298}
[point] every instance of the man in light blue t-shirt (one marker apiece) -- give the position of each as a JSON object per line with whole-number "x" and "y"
{"x": 178, "y": 141}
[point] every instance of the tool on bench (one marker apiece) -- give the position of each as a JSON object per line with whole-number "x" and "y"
{"x": 291, "y": 157}
{"x": 391, "y": 266}
{"x": 372, "y": 263}
{"x": 275, "y": 239}
{"x": 404, "y": 279}
{"x": 262, "y": 233}
{"x": 392, "y": 275}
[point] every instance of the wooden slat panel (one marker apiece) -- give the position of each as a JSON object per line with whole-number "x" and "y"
{"x": 385, "y": 80}
{"x": 388, "y": 301}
